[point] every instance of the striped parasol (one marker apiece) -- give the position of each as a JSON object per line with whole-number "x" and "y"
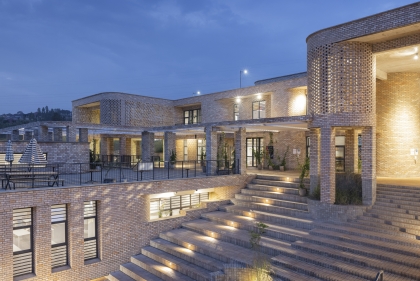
{"x": 33, "y": 154}
{"x": 9, "y": 152}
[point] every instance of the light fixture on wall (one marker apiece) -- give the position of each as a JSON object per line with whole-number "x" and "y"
{"x": 238, "y": 99}
{"x": 259, "y": 96}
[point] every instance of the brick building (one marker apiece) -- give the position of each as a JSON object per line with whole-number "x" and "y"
{"x": 355, "y": 109}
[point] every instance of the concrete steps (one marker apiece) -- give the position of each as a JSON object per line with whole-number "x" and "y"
{"x": 297, "y": 247}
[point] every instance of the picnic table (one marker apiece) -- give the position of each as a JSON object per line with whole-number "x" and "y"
{"x": 50, "y": 177}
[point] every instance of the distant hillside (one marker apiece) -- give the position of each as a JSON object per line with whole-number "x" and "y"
{"x": 42, "y": 114}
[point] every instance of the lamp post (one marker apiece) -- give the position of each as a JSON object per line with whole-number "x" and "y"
{"x": 240, "y": 76}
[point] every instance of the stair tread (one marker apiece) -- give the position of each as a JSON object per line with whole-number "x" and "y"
{"x": 197, "y": 257}
{"x": 390, "y": 216}
{"x": 356, "y": 258}
{"x": 395, "y": 223}
{"x": 351, "y": 228}
{"x": 291, "y": 275}
{"x": 220, "y": 248}
{"x": 280, "y": 208}
{"x": 321, "y": 272}
{"x": 175, "y": 275}
{"x": 175, "y": 261}
{"x": 341, "y": 236}
{"x": 146, "y": 275}
{"x": 274, "y": 199}
{"x": 121, "y": 276}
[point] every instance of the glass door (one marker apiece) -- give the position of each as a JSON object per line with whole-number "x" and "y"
{"x": 253, "y": 144}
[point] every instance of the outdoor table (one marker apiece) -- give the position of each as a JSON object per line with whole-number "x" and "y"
{"x": 52, "y": 175}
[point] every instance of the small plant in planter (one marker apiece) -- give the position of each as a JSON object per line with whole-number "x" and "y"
{"x": 304, "y": 171}
{"x": 258, "y": 154}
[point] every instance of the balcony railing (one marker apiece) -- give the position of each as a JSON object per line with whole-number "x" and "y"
{"x": 77, "y": 174}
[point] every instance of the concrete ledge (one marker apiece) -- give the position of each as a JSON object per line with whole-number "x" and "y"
{"x": 331, "y": 212}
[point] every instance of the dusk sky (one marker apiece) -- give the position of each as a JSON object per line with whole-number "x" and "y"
{"x": 53, "y": 52}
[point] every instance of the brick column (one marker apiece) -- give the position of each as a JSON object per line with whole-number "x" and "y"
{"x": 211, "y": 150}
{"x": 103, "y": 146}
{"x": 147, "y": 146}
{"x": 15, "y": 135}
{"x": 76, "y": 232}
{"x": 328, "y": 165}
{"x": 58, "y": 134}
{"x": 43, "y": 133}
{"x": 369, "y": 165}
{"x": 169, "y": 142}
{"x": 123, "y": 146}
{"x": 83, "y": 135}
{"x": 71, "y": 134}
{"x": 314, "y": 158}
{"x": 42, "y": 241}
{"x": 351, "y": 157}
{"x": 28, "y": 135}
{"x": 240, "y": 150}
{"x": 6, "y": 244}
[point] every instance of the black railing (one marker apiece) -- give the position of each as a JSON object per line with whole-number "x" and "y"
{"x": 379, "y": 276}
{"x": 76, "y": 174}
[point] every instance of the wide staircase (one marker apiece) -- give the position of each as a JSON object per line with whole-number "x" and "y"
{"x": 384, "y": 238}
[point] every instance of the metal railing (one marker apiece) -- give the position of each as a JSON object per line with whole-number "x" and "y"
{"x": 77, "y": 174}
{"x": 379, "y": 276}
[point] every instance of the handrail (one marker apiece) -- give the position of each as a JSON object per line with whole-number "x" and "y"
{"x": 379, "y": 276}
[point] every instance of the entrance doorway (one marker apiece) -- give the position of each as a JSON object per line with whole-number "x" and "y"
{"x": 253, "y": 144}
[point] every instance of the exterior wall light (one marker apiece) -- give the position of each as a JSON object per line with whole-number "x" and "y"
{"x": 238, "y": 100}
{"x": 259, "y": 96}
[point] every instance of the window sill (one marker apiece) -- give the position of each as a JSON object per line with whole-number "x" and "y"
{"x": 60, "y": 268}
{"x": 92, "y": 261}
{"x": 24, "y": 277}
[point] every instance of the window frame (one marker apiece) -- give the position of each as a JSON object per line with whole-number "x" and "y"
{"x": 192, "y": 116}
{"x": 31, "y": 239}
{"x": 65, "y": 235}
{"x": 235, "y": 112}
{"x": 96, "y": 229}
{"x": 259, "y": 109}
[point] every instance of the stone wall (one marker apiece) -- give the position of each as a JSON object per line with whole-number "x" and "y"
{"x": 331, "y": 212}
{"x": 398, "y": 124}
{"x": 123, "y": 222}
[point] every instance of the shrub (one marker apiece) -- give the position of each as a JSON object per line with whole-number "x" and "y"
{"x": 348, "y": 189}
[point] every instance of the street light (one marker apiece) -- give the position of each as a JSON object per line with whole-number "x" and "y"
{"x": 197, "y": 93}
{"x": 240, "y": 76}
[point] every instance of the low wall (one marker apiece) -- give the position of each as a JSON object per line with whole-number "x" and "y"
{"x": 123, "y": 221}
{"x": 57, "y": 152}
{"x": 331, "y": 212}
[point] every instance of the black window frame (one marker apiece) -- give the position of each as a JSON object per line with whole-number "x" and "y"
{"x": 201, "y": 147}
{"x": 24, "y": 252}
{"x": 189, "y": 120}
{"x": 235, "y": 112}
{"x": 95, "y": 238}
{"x": 173, "y": 202}
{"x": 259, "y": 109}
{"x": 65, "y": 243}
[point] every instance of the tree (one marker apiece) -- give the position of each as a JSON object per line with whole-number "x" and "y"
{"x": 46, "y": 109}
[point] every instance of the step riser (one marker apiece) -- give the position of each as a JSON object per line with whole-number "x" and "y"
{"x": 268, "y": 232}
{"x": 272, "y": 209}
{"x": 393, "y": 214}
{"x": 177, "y": 267}
{"x": 347, "y": 240}
{"x": 131, "y": 274}
{"x": 145, "y": 266}
{"x": 414, "y": 222}
{"x": 402, "y": 189}
{"x": 286, "y": 204}
{"x": 407, "y": 197}
{"x": 403, "y": 227}
{"x": 277, "y": 178}
{"x": 407, "y": 204}
{"x": 275, "y": 220}
{"x": 379, "y": 208}
{"x": 276, "y": 183}
{"x": 354, "y": 261}
{"x": 216, "y": 255}
{"x": 189, "y": 259}
{"x": 379, "y": 229}
{"x": 274, "y": 195}
{"x": 392, "y": 206}
{"x": 284, "y": 190}
{"x": 231, "y": 239}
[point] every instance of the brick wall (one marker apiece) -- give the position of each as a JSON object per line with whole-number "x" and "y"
{"x": 123, "y": 217}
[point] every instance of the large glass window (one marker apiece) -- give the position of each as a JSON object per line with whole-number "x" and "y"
{"x": 258, "y": 109}
{"x": 236, "y": 112}
{"x": 22, "y": 241}
{"x": 253, "y": 144}
{"x": 90, "y": 230}
{"x": 59, "y": 235}
{"x": 340, "y": 153}
{"x": 192, "y": 116}
{"x": 171, "y": 206}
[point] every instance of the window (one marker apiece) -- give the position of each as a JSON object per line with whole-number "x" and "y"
{"x": 90, "y": 230}
{"x": 59, "y": 235}
{"x": 192, "y": 116}
{"x": 253, "y": 144}
{"x": 340, "y": 153}
{"x": 22, "y": 241}
{"x": 171, "y": 206}
{"x": 236, "y": 112}
{"x": 185, "y": 150}
{"x": 258, "y": 109}
{"x": 308, "y": 147}
{"x": 201, "y": 149}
